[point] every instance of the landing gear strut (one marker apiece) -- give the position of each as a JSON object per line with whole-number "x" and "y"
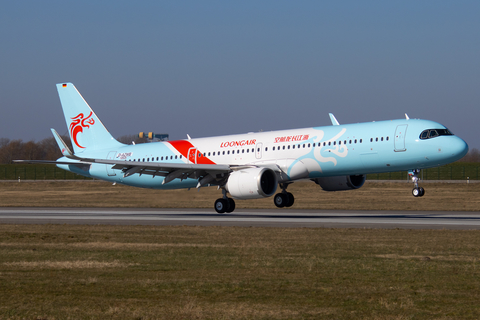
{"x": 225, "y": 204}
{"x": 416, "y": 191}
{"x": 284, "y": 199}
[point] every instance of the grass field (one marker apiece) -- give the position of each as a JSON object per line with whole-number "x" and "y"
{"x": 139, "y": 272}
{"x": 155, "y": 272}
{"x": 372, "y": 196}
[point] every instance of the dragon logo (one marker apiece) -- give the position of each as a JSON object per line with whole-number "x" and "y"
{"x": 78, "y": 123}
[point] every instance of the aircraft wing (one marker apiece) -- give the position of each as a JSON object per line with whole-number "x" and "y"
{"x": 216, "y": 174}
{"x": 205, "y": 173}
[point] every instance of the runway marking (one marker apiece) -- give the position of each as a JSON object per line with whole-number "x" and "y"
{"x": 273, "y": 218}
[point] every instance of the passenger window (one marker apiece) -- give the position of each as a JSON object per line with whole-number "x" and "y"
{"x": 283, "y": 147}
{"x": 361, "y": 140}
{"x": 350, "y": 142}
{"x": 339, "y": 143}
{"x": 223, "y": 152}
{"x": 266, "y": 148}
{"x": 288, "y": 147}
{"x": 387, "y": 138}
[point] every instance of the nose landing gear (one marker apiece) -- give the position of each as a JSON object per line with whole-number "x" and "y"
{"x": 416, "y": 191}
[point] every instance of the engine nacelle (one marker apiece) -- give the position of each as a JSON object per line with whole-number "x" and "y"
{"x": 341, "y": 182}
{"x": 252, "y": 183}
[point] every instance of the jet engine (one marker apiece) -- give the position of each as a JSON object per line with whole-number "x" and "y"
{"x": 252, "y": 183}
{"x": 341, "y": 182}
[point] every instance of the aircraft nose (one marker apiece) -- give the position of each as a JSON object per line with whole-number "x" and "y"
{"x": 458, "y": 148}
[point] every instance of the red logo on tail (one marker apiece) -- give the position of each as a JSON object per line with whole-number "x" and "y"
{"x": 77, "y": 125}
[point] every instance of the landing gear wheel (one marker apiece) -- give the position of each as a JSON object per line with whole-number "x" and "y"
{"x": 418, "y": 192}
{"x": 421, "y": 192}
{"x": 231, "y": 205}
{"x": 415, "y": 192}
{"x": 221, "y": 205}
{"x": 290, "y": 200}
{"x": 280, "y": 200}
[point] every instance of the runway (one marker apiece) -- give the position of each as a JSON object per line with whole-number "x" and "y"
{"x": 245, "y": 218}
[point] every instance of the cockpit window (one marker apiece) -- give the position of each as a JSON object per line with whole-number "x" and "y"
{"x": 432, "y": 133}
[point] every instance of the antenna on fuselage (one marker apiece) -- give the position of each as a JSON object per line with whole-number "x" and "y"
{"x": 407, "y": 117}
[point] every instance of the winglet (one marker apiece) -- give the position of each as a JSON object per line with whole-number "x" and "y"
{"x": 61, "y": 144}
{"x": 333, "y": 119}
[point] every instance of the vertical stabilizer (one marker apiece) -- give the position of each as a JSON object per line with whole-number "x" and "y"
{"x": 86, "y": 130}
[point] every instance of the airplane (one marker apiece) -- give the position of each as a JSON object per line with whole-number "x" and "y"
{"x": 255, "y": 165}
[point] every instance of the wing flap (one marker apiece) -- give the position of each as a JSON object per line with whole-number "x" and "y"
{"x": 171, "y": 171}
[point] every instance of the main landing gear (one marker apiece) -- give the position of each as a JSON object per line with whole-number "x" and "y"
{"x": 284, "y": 199}
{"x": 416, "y": 191}
{"x": 225, "y": 204}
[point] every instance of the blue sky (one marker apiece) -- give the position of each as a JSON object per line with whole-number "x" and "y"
{"x": 221, "y": 67}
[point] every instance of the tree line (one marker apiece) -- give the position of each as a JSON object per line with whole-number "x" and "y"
{"x": 47, "y": 149}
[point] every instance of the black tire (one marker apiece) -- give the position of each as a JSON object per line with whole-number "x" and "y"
{"x": 221, "y": 205}
{"x": 231, "y": 205}
{"x": 422, "y": 192}
{"x": 290, "y": 200}
{"x": 280, "y": 200}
